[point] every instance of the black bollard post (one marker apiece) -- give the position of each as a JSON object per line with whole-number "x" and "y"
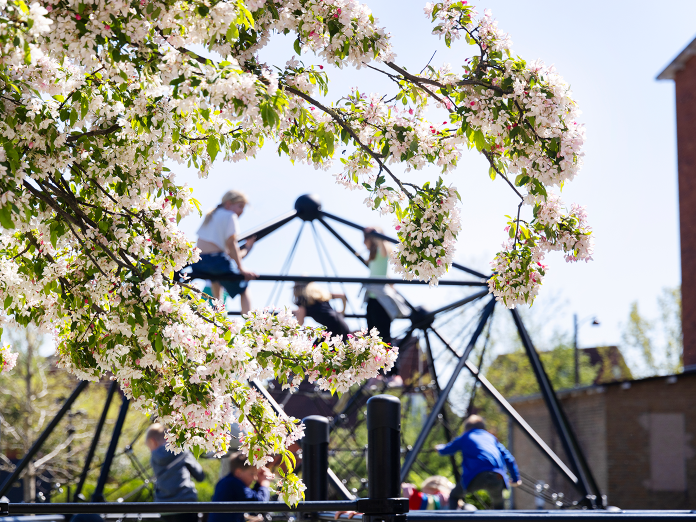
{"x": 383, "y": 462}
{"x": 315, "y": 457}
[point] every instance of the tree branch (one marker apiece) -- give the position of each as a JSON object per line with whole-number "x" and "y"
{"x": 336, "y": 117}
{"x": 98, "y": 132}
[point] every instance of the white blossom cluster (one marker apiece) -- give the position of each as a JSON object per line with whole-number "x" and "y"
{"x": 427, "y": 237}
{"x": 8, "y": 359}
{"x": 95, "y": 99}
{"x": 519, "y": 272}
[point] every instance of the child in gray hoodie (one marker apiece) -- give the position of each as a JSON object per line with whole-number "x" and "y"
{"x": 173, "y": 474}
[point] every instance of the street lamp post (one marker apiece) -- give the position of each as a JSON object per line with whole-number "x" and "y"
{"x": 576, "y": 350}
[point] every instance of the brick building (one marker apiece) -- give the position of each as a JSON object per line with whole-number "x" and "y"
{"x": 638, "y": 438}
{"x": 683, "y": 71}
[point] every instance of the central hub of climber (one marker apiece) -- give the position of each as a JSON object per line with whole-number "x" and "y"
{"x": 308, "y": 207}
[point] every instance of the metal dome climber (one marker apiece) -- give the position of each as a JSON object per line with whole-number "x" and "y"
{"x": 422, "y": 322}
{"x": 429, "y": 384}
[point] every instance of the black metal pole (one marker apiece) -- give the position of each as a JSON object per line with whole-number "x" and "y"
{"x": 430, "y": 421}
{"x": 332, "y": 478}
{"x": 519, "y": 420}
{"x": 343, "y": 241}
{"x": 383, "y": 458}
{"x": 445, "y": 424}
{"x": 120, "y": 508}
{"x": 315, "y": 457}
{"x": 383, "y": 447}
{"x": 98, "y": 495}
{"x": 426, "y": 319}
{"x": 393, "y": 240}
{"x": 267, "y": 228}
{"x": 345, "y": 316}
{"x": 42, "y": 438}
{"x": 329, "y": 279}
{"x": 586, "y": 483}
{"x": 95, "y": 440}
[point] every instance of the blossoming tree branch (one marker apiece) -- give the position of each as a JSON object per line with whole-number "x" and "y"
{"x": 96, "y": 96}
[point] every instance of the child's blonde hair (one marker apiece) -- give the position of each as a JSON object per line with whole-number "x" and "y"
{"x": 438, "y": 483}
{"x": 233, "y": 196}
{"x": 306, "y": 294}
{"x": 156, "y": 432}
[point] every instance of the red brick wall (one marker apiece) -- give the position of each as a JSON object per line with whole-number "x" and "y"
{"x": 628, "y": 441}
{"x": 586, "y": 412}
{"x": 685, "y": 82}
{"x": 619, "y": 430}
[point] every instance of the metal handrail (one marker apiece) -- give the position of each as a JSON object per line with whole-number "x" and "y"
{"x": 173, "y": 507}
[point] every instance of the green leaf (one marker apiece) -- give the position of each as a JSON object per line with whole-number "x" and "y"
{"x": 213, "y": 147}
{"x": 492, "y": 173}
{"x": 8, "y": 302}
{"x": 297, "y": 46}
{"x": 232, "y": 33}
{"x": 6, "y": 218}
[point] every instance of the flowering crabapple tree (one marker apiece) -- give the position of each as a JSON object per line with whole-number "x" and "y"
{"x": 96, "y": 96}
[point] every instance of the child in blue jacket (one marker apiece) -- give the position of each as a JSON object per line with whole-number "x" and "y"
{"x": 236, "y": 487}
{"x": 484, "y": 461}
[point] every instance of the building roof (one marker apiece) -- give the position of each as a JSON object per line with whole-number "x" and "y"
{"x": 600, "y": 388}
{"x": 679, "y": 62}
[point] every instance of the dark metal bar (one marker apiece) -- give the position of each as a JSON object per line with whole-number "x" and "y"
{"x": 329, "y": 279}
{"x": 586, "y": 483}
{"x": 411, "y": 456}
{"x": 426, "y": 319}
{"x": 332, "y": 478}
{"x": 95, "y": 440}
{"x": 383, "y": 447}
{"x": 179, "y": 507}
{"x": 393, "y": 240}
{"x": 546, "y": 516}
{"x": 346, "y": 316}
{"x": 42, "y": 438}
{"x": 343, "y": 241}
{"x": 339, "y": 486}
{"x": 315, "y": 457}
{"x": 269, "y": 227}
{"x": 519, "y": 420}
{"x": 98, "y": 495}
{"x": 327, "y": 509}
{"x": 445, "y": 424}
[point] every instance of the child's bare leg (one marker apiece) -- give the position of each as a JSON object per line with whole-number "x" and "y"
{"x": 246, "y": 302}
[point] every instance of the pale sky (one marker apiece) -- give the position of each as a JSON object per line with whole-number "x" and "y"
{"x": 610, "y": 53}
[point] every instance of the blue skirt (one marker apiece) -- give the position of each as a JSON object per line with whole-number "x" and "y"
{"x": 220, "y": 263}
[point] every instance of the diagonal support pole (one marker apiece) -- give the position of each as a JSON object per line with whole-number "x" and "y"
{"x": 95, "y": 440}
{"x": 269, "y": 227}
{"x": 333, "y": 479}
{"x": 42, "y": 438}
{"x": 392, "y": 240}
{"x": 343, "y": 241}
{"x": 445, "y": 424}
{"x": 98, "y": 495}
{"x": 585, "y": 483}
{"x": 519, "y": 420}
{"x": 430, "y": 422}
